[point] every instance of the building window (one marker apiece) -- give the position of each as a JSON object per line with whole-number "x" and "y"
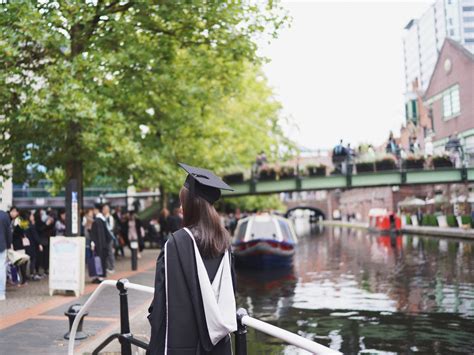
{"x": 469, "y": 40}
{"x": 451, "y": 103}
{"x": 468, "y": 19}
{"x": 450, "y": 21}
{"x": 469, "y": 29}
{"x": 468, "y": 8}
{"x": 451, "y": 32}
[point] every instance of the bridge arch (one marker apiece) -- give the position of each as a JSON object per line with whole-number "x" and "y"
{"x": 314, "y": 213}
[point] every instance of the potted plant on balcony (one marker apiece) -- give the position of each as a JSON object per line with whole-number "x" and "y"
{"x": 388, "y": 162}
{"x": 414, "y": 162}
{"x": 287, "y": 172}
{"x": 316, "y": 170}
{"x": 267, "y": 174}
{"x": 442, "y": 161}
{"x": 234, "y": 178}
{"x": 365, "y": 167}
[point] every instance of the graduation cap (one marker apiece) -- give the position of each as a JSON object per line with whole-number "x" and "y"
{"x": 204, "y": 183}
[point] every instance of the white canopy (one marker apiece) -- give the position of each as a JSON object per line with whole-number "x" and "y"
{"x": 412, "y": 202}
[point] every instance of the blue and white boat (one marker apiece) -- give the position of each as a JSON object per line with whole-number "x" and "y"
{"x": 264, "y": 241}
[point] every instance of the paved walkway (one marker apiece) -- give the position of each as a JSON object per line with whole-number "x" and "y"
{"x": 32, "y": 322}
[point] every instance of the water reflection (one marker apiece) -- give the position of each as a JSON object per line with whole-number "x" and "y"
{"x": 362, "y": 293}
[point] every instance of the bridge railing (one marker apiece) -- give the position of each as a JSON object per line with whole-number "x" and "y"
{"x": 126, "y": 339}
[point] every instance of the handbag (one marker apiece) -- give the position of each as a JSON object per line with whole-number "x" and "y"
{"x": 12, "y": 273}
{"x": 94, "y": 265}
{"x": 17, "y": 257}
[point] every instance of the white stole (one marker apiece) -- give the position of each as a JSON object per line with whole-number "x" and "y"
{"x": 218, "y": 298}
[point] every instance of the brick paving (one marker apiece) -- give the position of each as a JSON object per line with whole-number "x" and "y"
{"x": 32, "y": 322}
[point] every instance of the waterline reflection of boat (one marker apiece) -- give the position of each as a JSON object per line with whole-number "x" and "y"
{"x": 264, "y": 241}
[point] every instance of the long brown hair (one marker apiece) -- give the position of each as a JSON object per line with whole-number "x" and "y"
{"x": 199, "y": 215}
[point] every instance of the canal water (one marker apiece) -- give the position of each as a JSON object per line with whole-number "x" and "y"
{"x": 361, "y": 293}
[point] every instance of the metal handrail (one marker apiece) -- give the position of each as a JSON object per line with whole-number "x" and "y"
{"x": 264, "y": 327}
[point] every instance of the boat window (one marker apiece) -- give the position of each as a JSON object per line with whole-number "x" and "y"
{"x": 264, "y": 229}
{"x": 285, "y": 230}
{"x": 242, "y": 230}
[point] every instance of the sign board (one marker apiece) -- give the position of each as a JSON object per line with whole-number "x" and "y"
{"x": 67, "y": 264}
{"x": 74, "y": 214}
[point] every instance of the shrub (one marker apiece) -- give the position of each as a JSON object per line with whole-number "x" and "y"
{"x": 429, "y": 220}
{"x": 467, "y": 220}
{"x": 451, "y": 220}
{"x": 364, "y": 167}
{"x": 408, "y": 219}
{"x": 267, "y": 174}
{"x": 442, "y": 161}
{"x": 387, "y": 163}
{"x": 414, "y": 162}
{"x": 233, "y": 178}
{"x": 316, "y": 170}
{"x": 287, "y": 172}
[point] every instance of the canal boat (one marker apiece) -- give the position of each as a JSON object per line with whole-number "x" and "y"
{"x": 264, "y": 241}
{"x": 383, "y": 221}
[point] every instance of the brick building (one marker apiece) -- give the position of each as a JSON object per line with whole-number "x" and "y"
{"x": 449, "y": 97}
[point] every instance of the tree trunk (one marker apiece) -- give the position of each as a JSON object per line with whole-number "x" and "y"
{"x": 163, "y": 198}
{"x": 74, "y": 173}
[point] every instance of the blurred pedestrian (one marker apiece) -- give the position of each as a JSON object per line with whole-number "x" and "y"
{"x": 110, "y": 223}
{"x": 164, "y": 228}
{"x": 20, "y": 240}
{"x": 455, "y": 150}
{"x": 34, "y": 249}
{"x": 44, "y": 225}
{"x": 134, "y": 232}
{"x": 5, "y": 244}
{"x": 60, "y": 225}
{"x": 100, "y": 239}
{"x": 175, "y": 221}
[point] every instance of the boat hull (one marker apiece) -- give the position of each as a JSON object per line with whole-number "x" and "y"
{"x": 263, "y": 254}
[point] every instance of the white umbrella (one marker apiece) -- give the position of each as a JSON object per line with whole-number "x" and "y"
{"x": 459, "y": 199}
{"x": 412, "y": 202}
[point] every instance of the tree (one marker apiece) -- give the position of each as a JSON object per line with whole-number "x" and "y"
{"x": 128, "y": 88}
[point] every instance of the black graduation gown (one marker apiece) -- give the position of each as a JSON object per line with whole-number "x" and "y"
{"x": 101, "y": 238}
{"x": 187, "y": 333}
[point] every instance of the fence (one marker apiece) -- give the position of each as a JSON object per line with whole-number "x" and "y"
{"x": 126, "y": 339}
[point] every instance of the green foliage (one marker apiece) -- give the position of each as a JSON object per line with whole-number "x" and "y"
{"x": 451, "y": 220}
{"x": 252, "y": 203}
{"x": 408, "y": 219}
{"x": 429, "y": 220}
{"x": 128, "y": 89}
{"x": 466, "y": 220}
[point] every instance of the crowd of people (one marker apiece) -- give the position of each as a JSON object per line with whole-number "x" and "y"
{"x": 344, "y": 156}
{"x": 26, "y": 234}
{"x": 109, "y": 233}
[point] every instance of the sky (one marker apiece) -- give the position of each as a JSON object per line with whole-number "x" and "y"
{"x": 338, "y": 70}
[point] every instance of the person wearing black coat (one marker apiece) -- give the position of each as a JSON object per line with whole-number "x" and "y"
{"x": 44, "y": 225}
{"x": 100, "y": 240}
{"x": 5, "y": 244}
{"x": 193, "y": 310}
{"x": 137, "y": 234}
{"x": 21, "y": 242}
{"x": 34, "y": 248}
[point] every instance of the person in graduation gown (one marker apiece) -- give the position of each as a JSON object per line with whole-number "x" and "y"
{"x": 193, "y": 310}
{"x": 100, "y": 240}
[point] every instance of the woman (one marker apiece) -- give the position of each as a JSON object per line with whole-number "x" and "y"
{"x": 21, "y": 242}
{"x": 34, "y": 248}
{"x": 164, "y": 229}
{"x": 60, "y": 225}
{"x": 193, "y": 311}
{"x": 44, "y": 225}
